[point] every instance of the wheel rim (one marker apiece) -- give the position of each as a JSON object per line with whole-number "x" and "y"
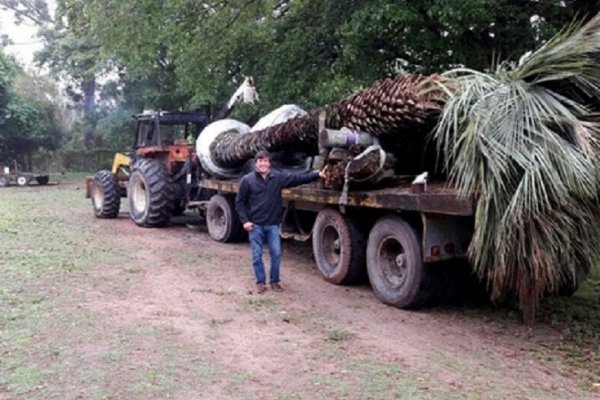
{"x": 3, "y": 181}
{"x": 218, "y": 221}
{"x": 97, "y": 197}
{"x": 330, "y": 243}
{"x": 21, "y": 181}
{"x": 139, "y": 195}
{"x": 393, "y": 261}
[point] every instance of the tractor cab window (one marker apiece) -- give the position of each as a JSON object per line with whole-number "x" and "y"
{"x": 171, "y": 132}
{"x": 147, "y": 135}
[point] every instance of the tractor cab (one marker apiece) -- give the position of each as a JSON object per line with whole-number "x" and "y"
{"x": 168, "y": 136}
{"x": 162, "y": 129}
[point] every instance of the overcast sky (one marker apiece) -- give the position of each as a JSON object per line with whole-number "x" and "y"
{"x": 23, "y": 36}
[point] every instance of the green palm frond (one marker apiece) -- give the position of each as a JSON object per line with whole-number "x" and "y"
{"x": 524, "y": 141}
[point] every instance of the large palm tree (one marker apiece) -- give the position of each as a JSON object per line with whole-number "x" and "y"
{"x": 524, "y": 141}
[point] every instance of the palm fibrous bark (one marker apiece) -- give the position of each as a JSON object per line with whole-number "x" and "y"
{"x": 400, "y": 111}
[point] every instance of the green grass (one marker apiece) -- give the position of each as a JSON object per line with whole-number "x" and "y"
{"x": 53, "y": 255}
{"x": 339, "y": 335}
{"x": 578, "y": 318}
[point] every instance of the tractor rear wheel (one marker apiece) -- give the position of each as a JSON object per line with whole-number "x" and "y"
{"x": 4, "y": 181}
{"x": 105, "y": 194}
{"x": 150, "y": 194}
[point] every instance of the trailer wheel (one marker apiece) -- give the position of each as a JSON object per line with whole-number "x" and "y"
{"x": 22, "y": 180}
{"x": 106, "y": 195}
{"x": 4, "y": 181}
{"x": 222, "y": 221}
{"x": 338, "y": 247}
{"x": 150, "y": 194}
{"x": 42, "y": 179}
{"x": 395, "y": 264}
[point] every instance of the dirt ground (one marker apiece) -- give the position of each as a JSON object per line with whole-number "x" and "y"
{"x": 315, "y": 340}
{"x": 468, "y": 352}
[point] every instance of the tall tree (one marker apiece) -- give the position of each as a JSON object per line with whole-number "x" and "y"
{"x": 28, "y": 120}
{"x": 311, "y": 52}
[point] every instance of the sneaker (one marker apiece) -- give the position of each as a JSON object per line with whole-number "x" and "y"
{"x": 276, "y": 287}
{"x": 261, "y": 288}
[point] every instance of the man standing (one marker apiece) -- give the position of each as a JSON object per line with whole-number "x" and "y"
{"x": 258, "y": 204}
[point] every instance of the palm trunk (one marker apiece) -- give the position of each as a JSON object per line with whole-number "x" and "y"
{"x": 400, "y": 111}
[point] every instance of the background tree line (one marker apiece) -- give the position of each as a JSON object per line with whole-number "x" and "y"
{"x": 117, "y": 57}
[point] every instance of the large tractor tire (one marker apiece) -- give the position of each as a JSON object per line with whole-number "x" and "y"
{"x": 150, "y": 194}
{"x": 338, "y": 247}
{"x": 105, "y": 195}
{"x": 395, "y": 264}
{"x": 4, "y": 181}
{"x": 222, "y": 220}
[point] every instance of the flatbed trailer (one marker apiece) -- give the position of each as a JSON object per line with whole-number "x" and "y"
{"x": 401, "y": 233}
{"x": 23, "y": 178}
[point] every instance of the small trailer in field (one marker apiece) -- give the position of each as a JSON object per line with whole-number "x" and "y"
{"x": 8, "y": 178}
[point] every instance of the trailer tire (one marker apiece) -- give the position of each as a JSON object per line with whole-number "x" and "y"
{"x": 105, "y": 195}
{"x": 395, "y": 264}
{"x": 338, "y": 247}
{"x": 222, "y": 220}
{"x": 42, "y": 179}
{"x": 4, "y": 182}
{"x": 150, "y": 195}
{"x": 23, "y": 180}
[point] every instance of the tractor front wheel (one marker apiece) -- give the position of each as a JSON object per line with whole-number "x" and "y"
{"x": 105, "y": 194}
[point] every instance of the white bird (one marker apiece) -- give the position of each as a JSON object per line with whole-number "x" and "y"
{"x": 421, "y": 178}
{"x": 246, "y": 93}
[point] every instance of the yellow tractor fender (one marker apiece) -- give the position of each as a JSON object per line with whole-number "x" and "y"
{"x": 120, "y": 168}
{"x": 121, "y": 160}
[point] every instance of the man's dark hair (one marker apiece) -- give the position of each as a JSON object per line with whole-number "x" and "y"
{"x": 262, "y": 154}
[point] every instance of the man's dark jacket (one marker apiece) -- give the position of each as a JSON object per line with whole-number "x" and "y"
{"x": 259, "y": 200}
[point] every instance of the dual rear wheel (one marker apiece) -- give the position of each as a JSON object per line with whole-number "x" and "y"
{"x": 392, "y": 255}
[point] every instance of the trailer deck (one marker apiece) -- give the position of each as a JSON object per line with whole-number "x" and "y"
{"x": 436, "y": 198}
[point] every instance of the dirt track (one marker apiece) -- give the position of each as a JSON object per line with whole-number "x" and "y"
{"x": 460, "y": 350}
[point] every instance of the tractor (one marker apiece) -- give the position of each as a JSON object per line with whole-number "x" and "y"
{"x": 159, "y": 175}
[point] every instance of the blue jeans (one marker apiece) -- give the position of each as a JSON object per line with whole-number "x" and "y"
{"x": 258, "y": 236}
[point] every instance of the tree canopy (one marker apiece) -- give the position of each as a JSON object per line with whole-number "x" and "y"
{"x": 307, "y": 52}
{"x": 184, "y": 53}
